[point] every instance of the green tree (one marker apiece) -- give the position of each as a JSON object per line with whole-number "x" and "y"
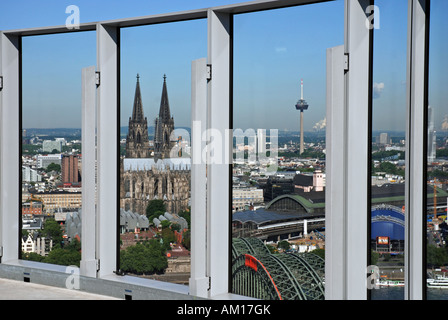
{"x": 70, "y": 255}
{"x": 53, "y": 167}
{"x": 441, "y": 153}
{"x": 168, "y": 237}
{"x": 33, "y": 256}
{"x": 374, "y": 256}
{"x": 53, "y": 231}
{"x": 388, "y": 167}
{"x": 319, "y": 252}
{"x": 155, "y": 208}
{"x": 165, "y": 224}
{"x": 284, "y": 245}
{"x": 148, "y": 257}
{"x": 436, "y": 257}
{"x": 175, "y": 227}
{"x": 64, "y": 256}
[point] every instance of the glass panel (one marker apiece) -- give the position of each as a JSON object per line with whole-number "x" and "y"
{"x": 51, "y": 159}
{"x": 388, "y": 148}
{"x": 437, "y": 177}
{"x": 155, "y": 120}
{"x": 278, "y": 198}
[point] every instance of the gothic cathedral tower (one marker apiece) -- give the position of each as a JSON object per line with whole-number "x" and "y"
{"x": 137, "y": 141}
{"x": 164, "y": 126}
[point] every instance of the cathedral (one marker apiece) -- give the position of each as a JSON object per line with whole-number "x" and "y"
{"x": 137, "y": 141}
{"x": 153, "y": 174}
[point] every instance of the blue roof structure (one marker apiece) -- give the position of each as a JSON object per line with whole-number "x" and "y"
{"x": 387, "y": 221}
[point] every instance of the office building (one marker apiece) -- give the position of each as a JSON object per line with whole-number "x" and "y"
{"x": 44, "y": 161}
{"x": 52, "y": 146}
{"x": 69, "y": 169}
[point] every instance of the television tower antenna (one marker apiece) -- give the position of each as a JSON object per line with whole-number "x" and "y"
{"x": 301, "y": 105}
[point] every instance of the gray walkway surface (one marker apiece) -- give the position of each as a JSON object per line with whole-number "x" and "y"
{"x": 18, "y": 290}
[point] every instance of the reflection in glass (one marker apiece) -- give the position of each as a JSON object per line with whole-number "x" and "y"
{"x": 51, "y": 215}
{"x": 388, "y": 149}
{"x": 278, "y": 198}
{"x": 437, "y": 152}
{"x": 155, "y": 169}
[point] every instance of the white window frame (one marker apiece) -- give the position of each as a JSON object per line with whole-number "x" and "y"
{"x": 346, "y": 254}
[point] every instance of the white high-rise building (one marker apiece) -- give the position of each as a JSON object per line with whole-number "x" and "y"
{"x": 384, "y": 138}
{"x": 44, "y": 161}
{"x": 49, "y": 145}
{"x": 261, "y": 141}
{"x": 431, "y": 136}
{"x": 30, "y": 175}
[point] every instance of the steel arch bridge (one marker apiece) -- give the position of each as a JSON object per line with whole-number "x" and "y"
{"x": 287, "y": 276}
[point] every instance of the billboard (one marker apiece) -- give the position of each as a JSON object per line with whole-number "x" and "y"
{"x": 382, "y": 240}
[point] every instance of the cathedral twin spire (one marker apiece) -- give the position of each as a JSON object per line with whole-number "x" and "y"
{"x": 164, "y": 127}
{"x": 137, "y": 141}
{"x": 137, "y": 111}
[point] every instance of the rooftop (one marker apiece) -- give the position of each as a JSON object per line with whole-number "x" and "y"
{"x": 19, "y": 290}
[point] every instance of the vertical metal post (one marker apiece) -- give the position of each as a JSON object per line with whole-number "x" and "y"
{"x": 88, "y": 264}
{"x": 10, "y": 47}
{"x": 416, "y": 152}
{"x": 219, "y": 151}
{"x": 358, "y": 93}
{"x": 198, "y": 281}
{"x": 108, "y": 184}
{"x": 348, "y": 190}
{"x": 335, "y": 176}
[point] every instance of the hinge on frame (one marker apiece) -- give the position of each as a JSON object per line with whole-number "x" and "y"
{"x": 209, "y": 72}
{"x": 1, "y": 251}
{"x": 209, "y": 283}
{"x": 1, "y": 82}
{"x": 346, "y": 62}
{"x": 97, "y": 78}
{"x": 98, "y": 265}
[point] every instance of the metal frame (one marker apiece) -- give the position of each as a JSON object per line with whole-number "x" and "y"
{"x": 108, "y": 94}
{"x": 219, "y": 117}
{"x": 199, "y": 281}
{"x": 89, "y": 262}
{"x": 348, "y": 118}
{"x": 9, "y": 143}
{"x": 348, "y": 115}
{"x": 335, "y": 275}
{"x": 416, "y": 151}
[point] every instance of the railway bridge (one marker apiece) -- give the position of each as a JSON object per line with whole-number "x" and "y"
{"x": 285, "y": 276}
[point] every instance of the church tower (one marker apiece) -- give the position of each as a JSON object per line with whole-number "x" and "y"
{"x": 137, "y": 141}
{"x": 164, "y": 126}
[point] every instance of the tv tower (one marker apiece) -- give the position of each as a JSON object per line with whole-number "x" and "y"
{"x": 302, "y": 106}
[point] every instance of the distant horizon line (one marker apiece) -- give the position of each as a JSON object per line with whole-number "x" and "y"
{"x": 295, "y": 130}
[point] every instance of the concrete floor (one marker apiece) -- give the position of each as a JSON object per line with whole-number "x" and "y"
{"x": 19, "y": 290}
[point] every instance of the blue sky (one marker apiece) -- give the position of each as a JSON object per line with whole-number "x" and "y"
{"x": 273, "y": 51}
{"x": 389, "y": 66}
{"x": 155, "y": 51}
